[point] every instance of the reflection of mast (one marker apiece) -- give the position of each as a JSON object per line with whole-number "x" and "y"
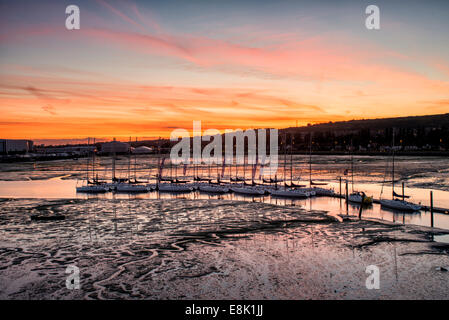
{"x": 113, "y": 161}
{"x": 352, "y": 167}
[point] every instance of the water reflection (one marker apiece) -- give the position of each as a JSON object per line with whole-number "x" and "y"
{"x": 65, "y": 189}
{"x": 335, "y": 206}
{"x": 369, "y": 170}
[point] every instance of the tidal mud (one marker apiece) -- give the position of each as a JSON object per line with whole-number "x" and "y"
{"x": 211, "y": 249}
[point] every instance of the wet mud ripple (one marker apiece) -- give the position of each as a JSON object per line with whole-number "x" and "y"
{"x": 176, "y": 249}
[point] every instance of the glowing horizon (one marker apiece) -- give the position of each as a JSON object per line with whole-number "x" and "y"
{"x": 142, "y": 69}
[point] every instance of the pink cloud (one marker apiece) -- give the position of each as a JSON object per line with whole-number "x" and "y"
{"x": 120, "y": 14}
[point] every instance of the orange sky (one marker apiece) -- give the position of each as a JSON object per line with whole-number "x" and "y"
{"x": 136, "y": 70}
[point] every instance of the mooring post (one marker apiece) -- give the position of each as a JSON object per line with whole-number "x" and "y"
{"x": 347, "y": 204}
{"x": 431, "y": 209}
{"x": 361, "y": 205}
{"x": 340, "y": 187}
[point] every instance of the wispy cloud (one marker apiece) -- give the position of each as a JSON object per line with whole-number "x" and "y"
{"x": 232, "y": 76}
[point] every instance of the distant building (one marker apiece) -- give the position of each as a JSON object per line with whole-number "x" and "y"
{"x": 142, "y": 150}
{"x": 114, "y": 146}
{"x": 15, "y": 146}
{"x": 66, "y": 150}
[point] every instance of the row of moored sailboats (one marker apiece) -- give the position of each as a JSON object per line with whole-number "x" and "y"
{"x": 236, "y": 184}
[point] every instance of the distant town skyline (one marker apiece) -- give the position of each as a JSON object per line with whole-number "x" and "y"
{"x": 145, "y": 68}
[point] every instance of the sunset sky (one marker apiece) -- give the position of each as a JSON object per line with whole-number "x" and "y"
{"x": 143, "y": 68}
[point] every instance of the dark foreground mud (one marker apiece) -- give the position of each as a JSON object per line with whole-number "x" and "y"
{"x": 210, "y": 249}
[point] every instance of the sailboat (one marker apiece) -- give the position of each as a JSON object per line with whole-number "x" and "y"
{"x": 245, "y": 188}
{"x": 128, "y": 186}
{"x": 249, "y": 190}
{"x": 92, "y": 187}
{"x": 211, "y": 188}
{"x": 171, "y": 187}
{"x": 319, "y": 191}
{"x": 290, "y": 193}
{"x": 288, "y": 190}
{"x": 214, "y": 187}
{"x": 396, "y": 203}
{"x": 292, "y": 184}
{"x": 357, "y": 196}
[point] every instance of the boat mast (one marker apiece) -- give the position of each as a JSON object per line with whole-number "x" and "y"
{"x": 176, "y": 172}
{"x": 291, "y": 160}
{"x": 113, "y": 161}
{"x": 171, "y": 170}
{"x": 129, "y": 161}
{"x": 236, "y": 167}
{"x": 209, "y": 170}
{"x": 135, "y": 165}
{"x": 217, "y": 166}
{"x": 193, "y": 168}
{"x": 285, "y": 158}
{"x": 230, "y": 169}
{"x": 87, "y": 162}
{"x": 93, "y": 162}
{"x": 244, "y": 167}
{"x": 159, "y": 162}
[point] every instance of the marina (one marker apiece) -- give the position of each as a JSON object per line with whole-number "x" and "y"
{"x": 228, "y": 151}
{"x": 272, "y": 190}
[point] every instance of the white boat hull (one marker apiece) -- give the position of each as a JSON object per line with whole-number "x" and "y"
{"x": 174, "y": 188}
{"x": 290, "y": 193}
{"x": 323, "y": 192}
{"x": 400, "y": 205}
{"x": 132, "y": 188}
{"x": 213, "y": 189}
{"x": 249, "y": 191}
{"x": 92, "y": 189}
